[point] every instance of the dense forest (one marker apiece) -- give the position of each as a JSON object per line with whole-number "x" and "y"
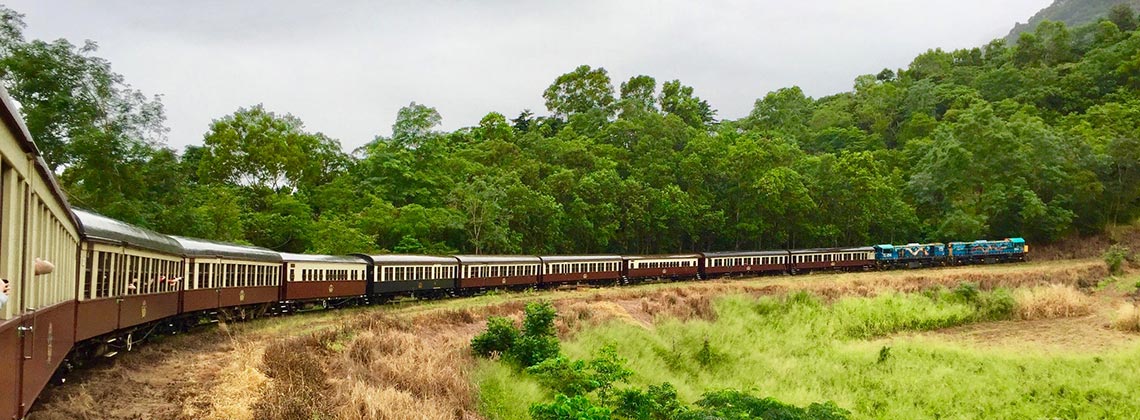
{"x": 1073, "y": 13}
{"x": 1039, "y": 138}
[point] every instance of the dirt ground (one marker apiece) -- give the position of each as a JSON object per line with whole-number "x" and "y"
{"x": 410, "y": 359}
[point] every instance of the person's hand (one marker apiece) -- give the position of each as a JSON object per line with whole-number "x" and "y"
{"x": 43, "y": 267}
{"x": 5, "y": 287}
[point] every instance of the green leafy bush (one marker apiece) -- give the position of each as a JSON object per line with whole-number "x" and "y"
{"x": 731, "y": 404}
{"x": 536, "y": 342}
{"x": 564, "y": 408}
{"x": 580, "y": 377}
{"x": 659, "y": 402}
{"x": 1114, "y": 258}
{"x": 499, "y": 337}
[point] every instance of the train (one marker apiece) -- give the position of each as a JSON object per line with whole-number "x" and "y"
{"x": 79, "y": 285}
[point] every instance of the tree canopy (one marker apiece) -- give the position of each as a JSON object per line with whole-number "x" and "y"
{"x": 1038, "y": 138}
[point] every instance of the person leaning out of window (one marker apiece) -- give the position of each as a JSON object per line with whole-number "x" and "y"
{"x": 41, "y": 267}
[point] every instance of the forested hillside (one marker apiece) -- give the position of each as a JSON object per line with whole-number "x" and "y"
{"x": 1072, "y": 13}
{"x": 1040, "y": 138}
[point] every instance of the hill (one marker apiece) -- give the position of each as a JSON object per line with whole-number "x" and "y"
{"x": 1072, "y": 12}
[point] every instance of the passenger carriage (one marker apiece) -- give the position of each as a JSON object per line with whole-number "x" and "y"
{"x": 130, "y": 276}
{"x": 580, "y": 268}
{"x": 661, "y": 266}
{"x": 482, "y": 271}
{"x": 37, "y": 318}
{"x": 318, "y": 277}
{"x": 221, "y": 275}
{"x": 845, "y": 259}
{"x": 412, "y": 274}
{"x": 745, "y": 262}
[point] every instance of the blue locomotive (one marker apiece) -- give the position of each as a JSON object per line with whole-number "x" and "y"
{"x": 924, "y": 255}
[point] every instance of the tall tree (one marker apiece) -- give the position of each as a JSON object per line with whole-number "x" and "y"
{"x": 257, "y": 147}
{"x": 583, "y": 90}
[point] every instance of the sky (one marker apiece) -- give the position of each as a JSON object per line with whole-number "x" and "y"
{"x": 346, "y": 67}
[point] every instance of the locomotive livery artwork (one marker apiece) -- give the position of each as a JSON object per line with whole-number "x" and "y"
{"x": 79, "y": 285}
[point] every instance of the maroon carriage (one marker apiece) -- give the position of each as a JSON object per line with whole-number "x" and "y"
{"x": 745, "y": 262}
{"x": 662, "y": 266}
{"x": 482, "y": 271}
{"x": 840, "y": 259}
{"x": 580, "y": 268}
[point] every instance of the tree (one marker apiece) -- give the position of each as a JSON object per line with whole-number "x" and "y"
{"x": 786, "y": 111}
{"x": 637, "y": 95}
{"x": 256, "y": 147}
{"x": 677, "y": 99}
{"x": 414, "y": 123}
{"x": 483, "y": 201}
{"x": 69, "y": 95}
{"x": 1123, "y": 16}
{"x": 583, "y": 90}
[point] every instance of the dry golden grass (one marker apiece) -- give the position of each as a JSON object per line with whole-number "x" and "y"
{"x": 238, "y": 386}
{"x": 1052, "y": 301}
{"x": 1127, "y": 317}
{"x": 391, "y": 369}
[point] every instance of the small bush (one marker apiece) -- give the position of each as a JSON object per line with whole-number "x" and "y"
{"x": 580, "y": 377}
{"x": 658, "y": 402}
{"x": 536, "y": 342}
{"x": 708, "y": 357}
{"x": 996, "y": 305}
{"x": 563, "y": 407}
{"x": 884, "y": 354}
{"x": 1114, "y": 259}
{"x": 1127, "y": 318}
{"x": 732, "y": 404}
{"x": 968, "y": 292}
{"x": 498, "y": 338}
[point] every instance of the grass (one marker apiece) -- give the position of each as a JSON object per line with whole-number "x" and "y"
{"x": 1127, "y": 317}
{"x": 800, "y": 349}
{"x": 1053, "y": 301}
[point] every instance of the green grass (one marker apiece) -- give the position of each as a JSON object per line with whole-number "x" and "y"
{"x": 505, "y": 393}
{"x": 799, "y": 351}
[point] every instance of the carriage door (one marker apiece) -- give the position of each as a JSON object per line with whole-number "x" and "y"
{"x": 11, "y": 323}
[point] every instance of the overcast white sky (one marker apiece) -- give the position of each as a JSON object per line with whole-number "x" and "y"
{"x": 346, "y": 67}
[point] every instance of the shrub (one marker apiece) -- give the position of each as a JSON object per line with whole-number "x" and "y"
{"x": 968, "y": 292}
{"x": 498, "y": 338}
{"x": 536, "y": 342}
{"x": 730, "y": 404}
{"x": 996, "y": 305}
{"x": 563, "y": 407}
{"x": 564, "y": 376}
{"x": 1114, "y": 259}
{"x": 580, "y": 377}
{"x": 659, "y": 402}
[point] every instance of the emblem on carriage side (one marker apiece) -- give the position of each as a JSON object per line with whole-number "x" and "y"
{"x": 241, "y": 296}
{"x": 330, "y": 289}
{"x": 585, "y": 276}
{"x": 142, "y": 310}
